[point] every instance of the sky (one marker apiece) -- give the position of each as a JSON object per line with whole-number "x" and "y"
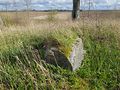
{"x": 60, "y": 4}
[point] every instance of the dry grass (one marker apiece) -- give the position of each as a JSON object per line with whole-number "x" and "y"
{"x": 21, "y": 68}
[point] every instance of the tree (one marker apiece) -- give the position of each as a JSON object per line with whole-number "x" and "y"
{"x": 27, "y": 3}
{"x": 15, "y": 8}
{"x": 76, "y": 9}
{"x": 6, "y": 6}
{"x": 15, "y": 5}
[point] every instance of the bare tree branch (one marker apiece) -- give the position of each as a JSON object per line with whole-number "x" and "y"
{"x": 28, "y": 3}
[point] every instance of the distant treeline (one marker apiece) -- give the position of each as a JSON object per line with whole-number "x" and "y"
{"x": 51, "y": 10}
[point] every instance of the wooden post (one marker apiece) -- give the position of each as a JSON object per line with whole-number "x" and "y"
{"x": 76, "y": 9}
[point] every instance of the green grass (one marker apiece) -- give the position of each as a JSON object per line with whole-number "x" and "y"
{"x": 101, "y": 66}
{"x": 21, "y": 67}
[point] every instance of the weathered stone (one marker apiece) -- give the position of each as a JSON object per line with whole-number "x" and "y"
{"x": 58, "y": 58}
{"x": 77, "y": 54}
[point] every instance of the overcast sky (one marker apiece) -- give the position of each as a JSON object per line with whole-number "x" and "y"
{"x": 61, "y": 4}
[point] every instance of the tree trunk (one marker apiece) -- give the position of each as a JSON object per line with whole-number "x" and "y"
{"x": 76, "y": 9}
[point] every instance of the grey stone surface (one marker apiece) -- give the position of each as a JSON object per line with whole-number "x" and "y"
{"x": 73, "y": 62}
{"x": 77, "y": 54}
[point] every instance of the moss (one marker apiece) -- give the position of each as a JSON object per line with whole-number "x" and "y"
{"x": 66, "y": 38}
{"x": 65, "y": 50}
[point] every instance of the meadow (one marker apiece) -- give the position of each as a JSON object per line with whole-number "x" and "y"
{"x": 22, "y": 40}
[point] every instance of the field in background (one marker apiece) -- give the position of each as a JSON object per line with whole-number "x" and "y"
{"x": 67, "y": 15}
{"x": 38, "y": 18}
{"x": 22, "y": 38}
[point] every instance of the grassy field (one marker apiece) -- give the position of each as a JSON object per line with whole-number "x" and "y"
{"x": 22, "y": 40}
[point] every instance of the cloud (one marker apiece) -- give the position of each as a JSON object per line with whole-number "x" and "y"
{"x": 62, "y": 4}
{"x": 111, "y": 2}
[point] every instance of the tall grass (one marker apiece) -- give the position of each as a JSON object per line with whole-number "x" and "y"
{"x": 22, "y": 64}
{"x": 101, "y": 66}
{"x": 51, "y": 16}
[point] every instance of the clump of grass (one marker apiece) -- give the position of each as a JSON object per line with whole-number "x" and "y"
{"x": 51, "y": 15}
{"x": 14, "y": 20}
{"x": 7, "y": 21}
{"x": 102, "y": 62}
{"x": 66, "y": 38}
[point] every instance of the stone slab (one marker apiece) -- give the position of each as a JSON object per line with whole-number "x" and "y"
{"x": 56, "y": 57}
